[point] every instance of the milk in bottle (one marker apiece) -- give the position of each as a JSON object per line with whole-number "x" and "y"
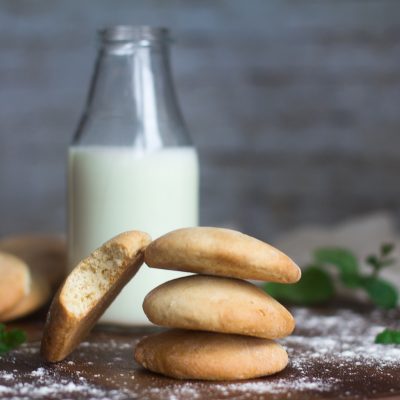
{"x": 131, "y": 165}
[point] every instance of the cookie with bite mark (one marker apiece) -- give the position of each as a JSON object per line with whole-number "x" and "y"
{"x": 88, "y": 290}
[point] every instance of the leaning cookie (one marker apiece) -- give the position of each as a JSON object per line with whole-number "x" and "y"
{"x": 15, "y": 281}
{"x": 210, "y": 303}
{"x": 209, "y": 356}
{"x": 224, "y": 252}
{"x": 89, "y": 290}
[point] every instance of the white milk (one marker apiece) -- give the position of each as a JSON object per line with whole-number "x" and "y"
{"x": 116, "y": 189}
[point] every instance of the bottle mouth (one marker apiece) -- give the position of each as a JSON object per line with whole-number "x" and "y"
{"x": 140, "y": 34}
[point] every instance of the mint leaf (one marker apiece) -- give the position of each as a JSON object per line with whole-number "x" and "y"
{"x": 344, "y": 260}
{"x": 351, "y": 281}
{"x": 381, "y": 261}
{"x": 373, "y": 261}
{"x": 314, "y": 287}
{"x": 381, "y": 292}
{"x": 388, "y": 336}
{"x": 10, "y": 339}
{"x": 386, "y": 249}
{"x": 378, "y": 264}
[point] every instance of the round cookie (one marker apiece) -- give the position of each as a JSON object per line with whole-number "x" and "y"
{"x": 15, "y": 279}
{"x": 186, "y": 354}
{"x": 39, "y": 294}
{"x": 210, "y": 303}
{"x": 224, "y": 252}
{"x": 45, "y": 254}
{"x": 88, "y": 290}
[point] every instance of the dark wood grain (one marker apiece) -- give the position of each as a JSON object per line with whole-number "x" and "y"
{"x": 103, "y": 367}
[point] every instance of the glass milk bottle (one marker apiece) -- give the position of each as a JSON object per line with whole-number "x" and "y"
{"x": 132, "y": 165}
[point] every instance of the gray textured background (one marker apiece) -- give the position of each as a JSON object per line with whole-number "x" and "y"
{"x": 294, "y": 105}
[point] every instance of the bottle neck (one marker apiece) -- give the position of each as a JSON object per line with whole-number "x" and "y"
{"x": 132, "y": 86}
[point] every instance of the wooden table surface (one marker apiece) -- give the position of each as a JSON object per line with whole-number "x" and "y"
{"x": 332, "y": 355}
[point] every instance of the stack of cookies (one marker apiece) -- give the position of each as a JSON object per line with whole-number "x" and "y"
{"x": 223, "y": 326}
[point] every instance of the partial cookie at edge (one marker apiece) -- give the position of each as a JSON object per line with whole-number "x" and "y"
{"x": 39, "y": 294}
{"x": 15, "y": 280}
{"x": 45, "y": 254}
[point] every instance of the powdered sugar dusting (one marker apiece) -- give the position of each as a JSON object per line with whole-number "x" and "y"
{"x": 331, "y": 353}
{"x": 344, "y": 337}
{"x": 44, "y": 382}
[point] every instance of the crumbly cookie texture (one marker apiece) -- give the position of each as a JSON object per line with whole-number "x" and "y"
{"x": 210, "y": 303}
{"x": 223, "y": 252}
{"x": 186, "y": 354}
{"x": 89, "y": 290}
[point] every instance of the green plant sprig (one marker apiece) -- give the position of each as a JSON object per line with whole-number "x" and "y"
{"x": 318, "y": 286}
{"x": 10, "y": 339}
{"x": 378, "y": 262}
{"x": 388, "y": 336}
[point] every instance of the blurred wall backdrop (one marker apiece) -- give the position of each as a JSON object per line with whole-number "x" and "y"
{"x": 294, "y": 105}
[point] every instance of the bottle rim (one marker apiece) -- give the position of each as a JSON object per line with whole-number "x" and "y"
{"x": 141, "y": 34}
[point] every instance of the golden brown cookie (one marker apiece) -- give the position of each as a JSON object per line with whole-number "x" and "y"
{"x": 15, "y": 279}
{"x": 186, "y": 354}
{"x": 210, "y": 303}
{"x": 224, "y": 252}
{"x": 39, "y": 294}
{"x": 44, "y": 254}
{"x": 89, "y": 290}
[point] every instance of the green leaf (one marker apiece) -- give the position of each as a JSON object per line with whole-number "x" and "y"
{"x": 344, "y": 260}
{"x": 386, "y": 248}
{"x": 373, "y": 261}
{"x": 15, "y": 337}
{"x": 351, "y": 281}
{"x": 314, "y": 287}
{"x": 10, "y": 339}
{"x": 388, "y": 336}
{"x": 381, "y": 292}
